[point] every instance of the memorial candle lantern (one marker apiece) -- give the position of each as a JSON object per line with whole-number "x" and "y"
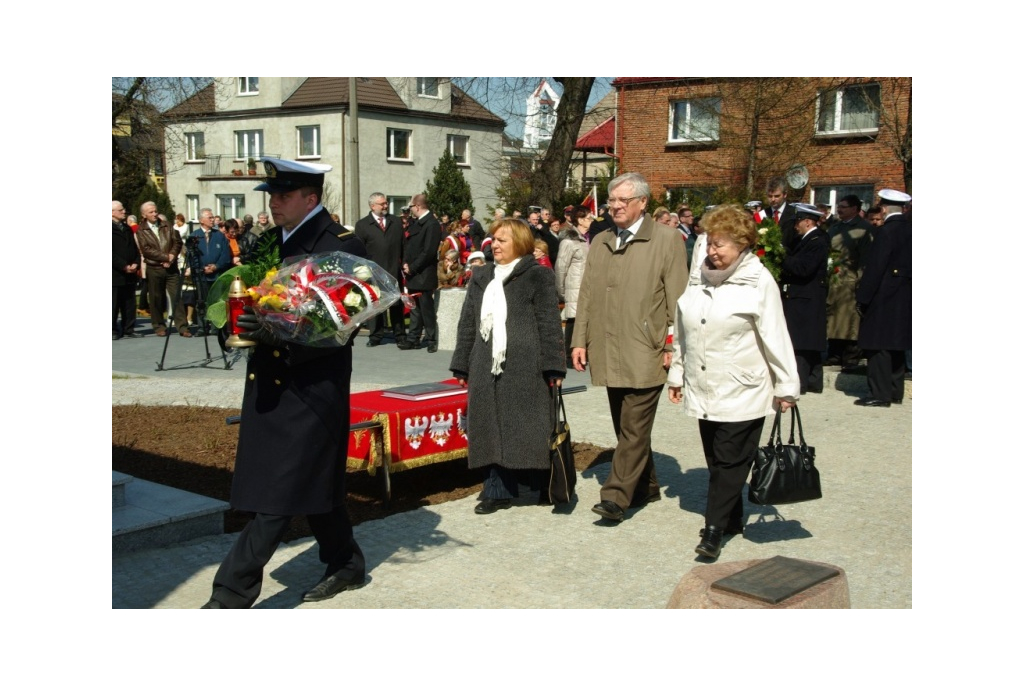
{"x": 238, "y": 300}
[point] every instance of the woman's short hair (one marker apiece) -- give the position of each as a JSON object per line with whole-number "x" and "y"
{"x": 179, "y": 217}
{"x": 539, "y": 244}
{"x": 522, "y": 235}
{"x": 660, "y": 212}
{"x": 231, "y": 223}
{"x": 733, "y": 222}
{"x": 580, "y": 213}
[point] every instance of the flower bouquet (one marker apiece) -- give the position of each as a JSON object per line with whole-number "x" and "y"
{"x": 322, "y": 299}
{"x": 319, "y": 300}
{"x": 769, "y": 247}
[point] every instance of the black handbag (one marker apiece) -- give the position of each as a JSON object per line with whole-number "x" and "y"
{"x": 784, "y": 474}
{"x": 562, "y": 481}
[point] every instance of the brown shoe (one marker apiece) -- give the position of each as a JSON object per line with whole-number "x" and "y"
{"x": 185, "y": 334}
{"x": 162, "y": 333}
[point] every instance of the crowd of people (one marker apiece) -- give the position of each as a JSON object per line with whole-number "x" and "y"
{"x": 162, "y": 275}
{"x": 642, "y": 298}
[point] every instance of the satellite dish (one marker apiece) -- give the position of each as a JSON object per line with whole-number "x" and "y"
{"x": 797, "y": 176}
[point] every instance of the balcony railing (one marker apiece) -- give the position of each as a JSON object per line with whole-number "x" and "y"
{"x": 223, "y": 165}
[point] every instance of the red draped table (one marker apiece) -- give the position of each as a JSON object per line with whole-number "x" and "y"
{"x": 403, "y": 434}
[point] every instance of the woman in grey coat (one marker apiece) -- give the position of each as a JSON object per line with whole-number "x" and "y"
{"x": 509, "y": 353}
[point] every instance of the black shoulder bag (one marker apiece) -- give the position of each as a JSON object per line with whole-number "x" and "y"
{"x": 562, "y": 482}
{"x": 784, "y": 474}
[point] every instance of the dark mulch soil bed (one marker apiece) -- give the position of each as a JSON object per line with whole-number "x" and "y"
{"x": 193, "y": 449}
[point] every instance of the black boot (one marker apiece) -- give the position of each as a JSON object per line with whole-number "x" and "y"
{"x": 710, "y": 542}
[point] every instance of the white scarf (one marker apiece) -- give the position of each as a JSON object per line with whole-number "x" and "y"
{"x": 494, "y": 312}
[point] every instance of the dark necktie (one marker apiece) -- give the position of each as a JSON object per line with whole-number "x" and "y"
{"x": 624, "y": 235}
{"x": 776, "y": 216}
{"x": 380, "y": 220}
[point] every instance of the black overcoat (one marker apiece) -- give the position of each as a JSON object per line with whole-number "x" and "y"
{"x": 384, "y": 247}
{"x": 884, "y": 290}
{"x": 421, "y": 242}
{"x": 805, "y": 291}
{"x": 509, "y": 420}
{"x": 125, "y": 252}
{"x": 295, "y": 410}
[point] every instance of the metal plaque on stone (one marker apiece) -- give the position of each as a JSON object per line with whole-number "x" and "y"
{"x": 775, "y": 579}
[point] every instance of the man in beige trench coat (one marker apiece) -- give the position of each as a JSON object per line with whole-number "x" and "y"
{"x": 627, "y": 300}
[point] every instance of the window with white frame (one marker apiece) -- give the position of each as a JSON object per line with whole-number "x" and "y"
{"x": 853, "y": 109}
{"x": 399, "y": 144}
{"x": 195, "y": 147}
{"x": 831, "y": 195}
{"x": 248, "y": 144}
{"x": 308, "y": 141}
{"x": 459, "y": 147}
{"x": 694, "y": 120}
{"x": 396, "y": 202}
{"x": 192, "y": 207}
{"x": 231, "y": 206}
{"x": 427, "y": 88}
{"x": 248, "y": 85}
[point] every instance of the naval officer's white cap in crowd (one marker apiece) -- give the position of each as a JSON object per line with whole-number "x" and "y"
{"x": 888, "y": 196}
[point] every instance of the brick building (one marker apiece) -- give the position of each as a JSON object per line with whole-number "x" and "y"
{"x": 691, "y": 136}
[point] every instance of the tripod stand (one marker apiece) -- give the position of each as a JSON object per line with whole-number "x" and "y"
{"x": 193, "y": 258}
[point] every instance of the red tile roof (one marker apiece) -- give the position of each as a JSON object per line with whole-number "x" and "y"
{"x": 599, "y": 139}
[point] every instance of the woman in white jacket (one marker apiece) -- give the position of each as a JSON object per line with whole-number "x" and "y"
{"x": 733, "y": 362}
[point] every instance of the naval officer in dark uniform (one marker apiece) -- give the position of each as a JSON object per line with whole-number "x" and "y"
{"x": 295, "y": 416}
{"x": 804, "y": 294}
{"x": 884, "y": 302}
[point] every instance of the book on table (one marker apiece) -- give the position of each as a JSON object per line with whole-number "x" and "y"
{"x": 423, "y": 391}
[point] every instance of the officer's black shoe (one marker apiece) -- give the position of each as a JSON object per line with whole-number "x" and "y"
{"x": 329, "y": 586}
{"x": 710, "y": 542}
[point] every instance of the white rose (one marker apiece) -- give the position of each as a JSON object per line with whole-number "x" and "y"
{"x": 353, "y": 299}
{"x": 362, "y": 272}
{"x": 762, "y": 231}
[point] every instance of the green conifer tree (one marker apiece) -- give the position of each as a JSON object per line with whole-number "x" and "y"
{"x": 449, "y": 192}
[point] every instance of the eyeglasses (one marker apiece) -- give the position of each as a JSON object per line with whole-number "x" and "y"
{"x": 621, "y": 200}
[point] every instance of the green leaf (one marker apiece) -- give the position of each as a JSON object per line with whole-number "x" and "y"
{"x": 217, "y": 313}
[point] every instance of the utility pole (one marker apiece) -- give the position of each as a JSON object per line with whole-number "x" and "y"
{"x": 351, "y": 213}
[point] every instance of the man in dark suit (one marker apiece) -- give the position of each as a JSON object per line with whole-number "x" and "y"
{"x": 384, "y": 239}
{"x": 125, "y": 274}
{"x": 884, "y": 301}
{"x": 804, "y": 291}
{"x": 850, "y": 239}
{"x": 781, "y": 212}
{"x": 295, "y": 409}
{"x": 420, "y": 266}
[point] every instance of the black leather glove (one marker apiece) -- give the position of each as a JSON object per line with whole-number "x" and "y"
{"x": 255, "y": 331}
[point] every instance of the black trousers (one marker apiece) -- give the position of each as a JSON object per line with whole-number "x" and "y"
{"x": 380, "y": 323}
{"x": 423, "y": 319}
{"x": 503, "y": 483}
{"x": 729, "y": 449}
{"x": 886, "y": 369}
{"x": 570, "y": 326}
{"x": 810, "y": 370}
{"x": 124, "y": 303}
{"x": 159, "y": 283}
{"x": 846, "y": 352}
{"x": 239, "y": 579}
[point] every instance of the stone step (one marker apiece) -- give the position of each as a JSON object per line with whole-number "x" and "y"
{"x": 154, "y": 515}
{"x": 119, "y": 481}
